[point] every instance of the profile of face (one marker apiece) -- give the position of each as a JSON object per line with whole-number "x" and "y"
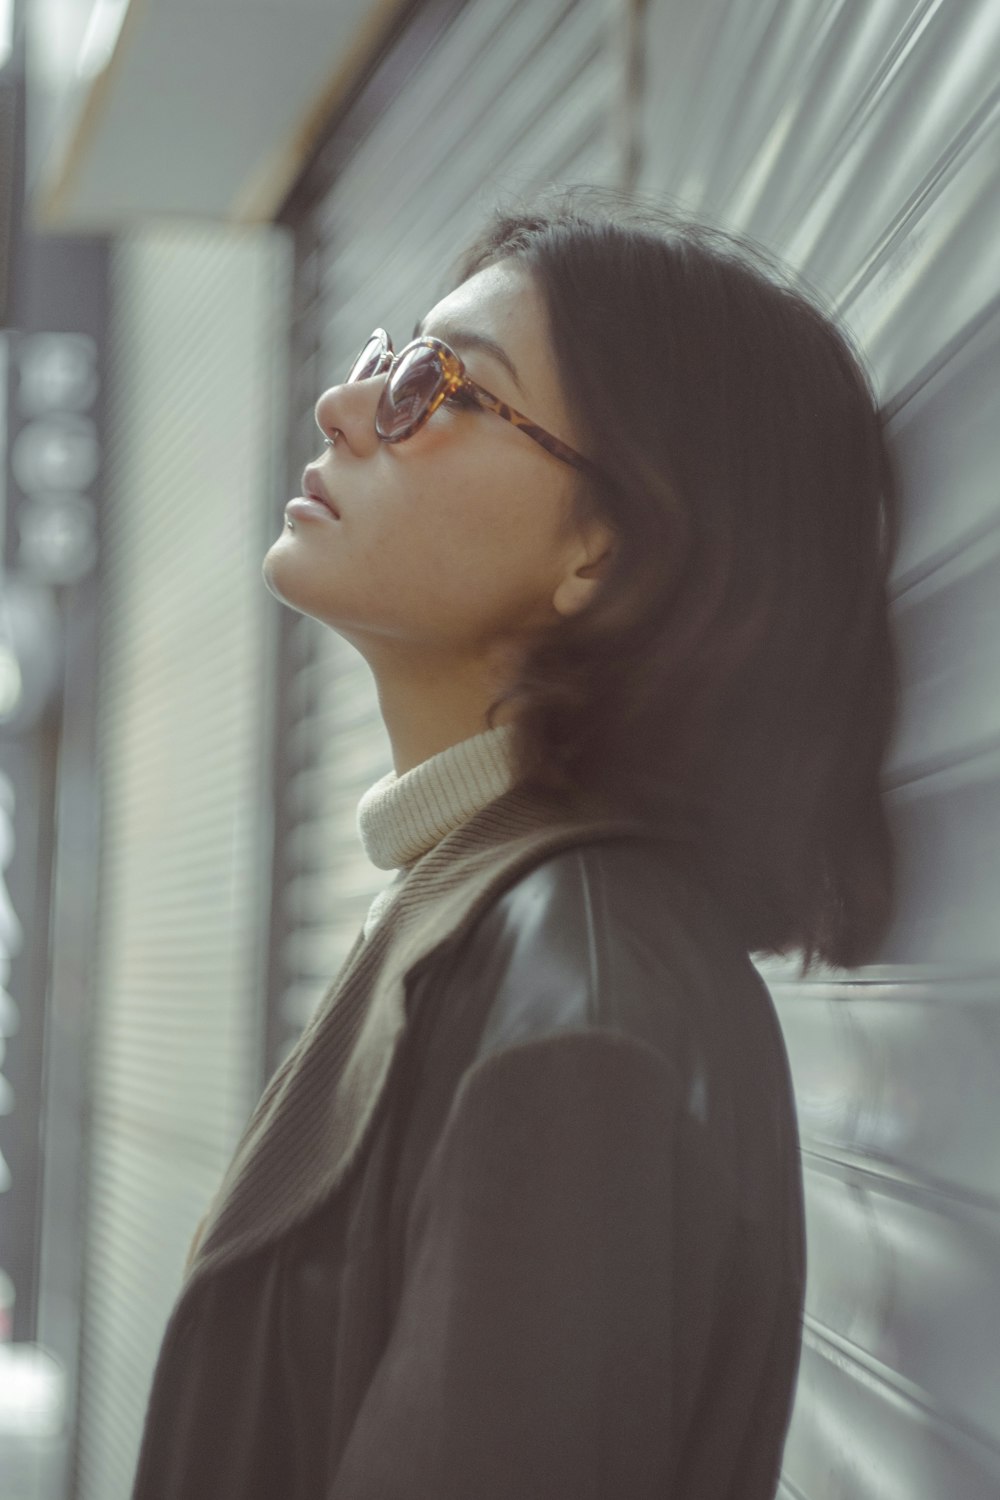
{"x": 453, "y": 545}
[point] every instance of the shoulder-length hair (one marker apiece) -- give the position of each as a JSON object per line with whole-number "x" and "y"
{"x": 733, "y": 679}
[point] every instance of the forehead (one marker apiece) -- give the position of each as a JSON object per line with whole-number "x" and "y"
{"x": 502, "y": 302}
{"x": 500, "y": 294}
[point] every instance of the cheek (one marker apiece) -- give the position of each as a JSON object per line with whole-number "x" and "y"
{"x": 465, "y": 545}
{"x": 497, "y": 542}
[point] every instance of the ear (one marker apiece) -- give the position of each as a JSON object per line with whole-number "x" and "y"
{"x": 587, "y": 565}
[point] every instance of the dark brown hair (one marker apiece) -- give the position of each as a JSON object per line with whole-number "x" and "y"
{"x": 733, "y": 678}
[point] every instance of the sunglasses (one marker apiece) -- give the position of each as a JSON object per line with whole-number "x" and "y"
{"x": 425, "y": 374}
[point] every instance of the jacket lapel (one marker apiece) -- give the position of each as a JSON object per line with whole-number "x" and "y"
{"x": 312, "y": 1117}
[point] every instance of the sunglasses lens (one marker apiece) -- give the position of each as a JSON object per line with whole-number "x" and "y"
{"x": 413, "y": 384}
{"x": 367, "y": 361}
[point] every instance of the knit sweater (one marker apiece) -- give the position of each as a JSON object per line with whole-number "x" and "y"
{"x": 400, "y": 818}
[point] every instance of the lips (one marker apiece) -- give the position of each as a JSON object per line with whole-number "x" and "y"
{"x": 312, "y": 485}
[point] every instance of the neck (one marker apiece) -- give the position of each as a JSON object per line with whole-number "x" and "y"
{"x": 430, "y": 704}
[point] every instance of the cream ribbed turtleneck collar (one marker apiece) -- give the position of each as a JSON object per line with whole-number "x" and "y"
{"x": 401, "y": 817}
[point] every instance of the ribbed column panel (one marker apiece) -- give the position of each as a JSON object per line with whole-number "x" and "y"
{"x": 196, "y": 390}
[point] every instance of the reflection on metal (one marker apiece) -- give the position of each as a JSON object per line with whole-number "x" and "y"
{"x": 862, "y": 143}
{"x": 631, "y": 38}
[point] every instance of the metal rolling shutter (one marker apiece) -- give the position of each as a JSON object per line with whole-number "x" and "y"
{"x": 508, "y": 96}
{"x": 863, "y": 143}
{"x": 175, "y": 1061}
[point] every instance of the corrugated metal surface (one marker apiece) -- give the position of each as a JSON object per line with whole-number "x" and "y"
{"x": 510, "y": 96}
{"x": 863, "y": 143}
{"x": 176, "y": 1064}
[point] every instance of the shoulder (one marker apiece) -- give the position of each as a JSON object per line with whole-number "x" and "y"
{"x": 630, "y": 881}
{"x": 612, "y": 935}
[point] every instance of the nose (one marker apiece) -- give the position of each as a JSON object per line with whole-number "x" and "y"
{"x": 350, "y": 409}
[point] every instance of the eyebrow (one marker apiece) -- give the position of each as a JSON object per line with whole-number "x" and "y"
{"x": 467, "y": 338}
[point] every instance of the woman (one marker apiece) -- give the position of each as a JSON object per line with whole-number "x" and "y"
{"x": 521, "y": 1215}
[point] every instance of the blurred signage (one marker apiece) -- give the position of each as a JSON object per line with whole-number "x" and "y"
{"x": 51, "y": 471}
{"x": 55, "y": 456}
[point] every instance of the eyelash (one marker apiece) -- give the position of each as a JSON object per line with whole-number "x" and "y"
{"x": 459, "y": 398}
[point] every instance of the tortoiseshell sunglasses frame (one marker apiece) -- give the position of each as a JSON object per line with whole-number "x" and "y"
{"x": 456, "y": 379}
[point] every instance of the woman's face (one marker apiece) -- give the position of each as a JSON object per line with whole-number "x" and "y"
{"x": 452, "y": 544}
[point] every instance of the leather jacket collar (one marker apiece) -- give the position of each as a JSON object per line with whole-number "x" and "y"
{"x": 312, "y": 1118}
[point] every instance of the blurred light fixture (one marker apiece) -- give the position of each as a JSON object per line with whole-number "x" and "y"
{"x": 31, "y": 653}
{"x": 11, "y": 690}
{"x": 106, "y": 20}
{"x": 6, "y": 31}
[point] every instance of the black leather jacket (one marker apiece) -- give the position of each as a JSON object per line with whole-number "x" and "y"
{"x": 570, "y": 1260}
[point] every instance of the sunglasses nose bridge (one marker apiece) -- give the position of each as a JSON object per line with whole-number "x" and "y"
{"x": 387, "y": 355}
{"x": 375, "y": 358}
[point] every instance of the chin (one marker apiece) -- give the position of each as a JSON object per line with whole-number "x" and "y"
{"x": 283, "y": 577}
{"x": 304, "y": 590}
